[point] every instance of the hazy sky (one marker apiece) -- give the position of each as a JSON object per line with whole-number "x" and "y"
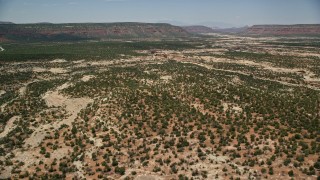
{"x": 236, "y": 12}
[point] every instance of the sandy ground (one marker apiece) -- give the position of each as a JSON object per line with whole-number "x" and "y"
{"x": 143, "y": 175}
{"x": 55, "y": 99}
{"x": 79, "y": 61}
{"x": 61, "y": 152}
{"x": 232, "y": 107}
{"x": 219, "y": 162}
{"x": 148, "y": 177}
{"x": 308, "y": 76}
{"x": 79, "y": 166}
{"x": 97, "y": 144}
{"x": 39, "y": 69}
{"x": 28, "y": 157}
{"x": 2, "y": 92}
{"x": 10, "y": 126}
{"x": 52, "y": 99}
{"x": 285, "y": 52}
{"x": 6, "y": 174}
{"x": 52, "y": 70}
{"x": 236, "y": 80}
{"x": 58, "y": 70}
{"x": 22, "y": 90}
{"x": 87, "y": 78}
{"x": 166, "y": 78}
{"x": 124, "y": 62}
{"x": 59, "y": 61}
{"x": 3, "y": 106}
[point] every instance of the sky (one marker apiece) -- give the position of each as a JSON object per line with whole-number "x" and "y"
{"x": 181, "y": 12}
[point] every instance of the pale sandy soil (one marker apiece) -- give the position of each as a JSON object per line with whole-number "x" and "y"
{"x": 225, "y": 106}
{"x": 87, "y": 78}
{"x": 166, "y": 78}
{"x": 236, "y": 80}
{"x": 3, "y": 106}
{"x": 296, "y": 53}
{"x": 2, "y": 92}
{"x": 79, "y": 61}
{"x": 55, "y": 99}
{"x": 97, "y": 144}
{"x": 233, "y": 107}
{"x": 16, "y": 70}
{"x": 22, "y": 90}
{"x": 148, "y": 177}
{"x": 246, "y": 74}
{"x": 37, "y": 136}
{"x": 212, "y": 168}
{"x": 28, "y": 157}
{"x": 58, "y": 61}
{"x": 52, "y": 99}
{"x": 10, "y": 126}
{"x": 39, "y": 69}
{"x": 61, "y": 152}
{"x": 102, "y": 63}
{"x": 79, "y": 166}
{"x": 147, "y": 81}
{"x": 119, "y": 61}
{"x": 97, "y": 141}
{"x": 58, "y": 70}
{"x": 143, "y": 175}
{"x": 237, "y": 109}
{"x": 6, "y": 173}
{"x": 308, "y": 76}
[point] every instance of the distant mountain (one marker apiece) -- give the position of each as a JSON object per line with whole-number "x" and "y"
{"x": 79, "y": 31}
{"x": 205, "y": 29}
{"x": 175, "y": 23}
{"x": 198, "y": 29}
{"x": 43, "y": 23}
{"x": 298, "y": 29}
{"x": 210, "y": 24}
{"x": 218, "y": 25}
{"x": 6, "y": 22}
{"x": 231, "y": 30}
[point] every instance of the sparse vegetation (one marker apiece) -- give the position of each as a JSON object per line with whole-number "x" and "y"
{"x": 158, "y": 108}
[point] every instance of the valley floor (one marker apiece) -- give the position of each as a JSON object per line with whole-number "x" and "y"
{"x": 216, "y": 107}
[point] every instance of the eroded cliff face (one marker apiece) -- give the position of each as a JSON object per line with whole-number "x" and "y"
{"x": 87, "y": 30}
{"x": 302, "y": 29}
